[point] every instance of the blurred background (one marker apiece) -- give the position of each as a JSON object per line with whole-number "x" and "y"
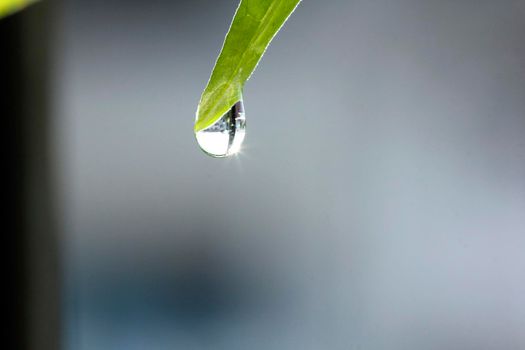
{"x": 378, "y": 201}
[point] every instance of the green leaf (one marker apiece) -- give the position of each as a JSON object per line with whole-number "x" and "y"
{"x": 8, "y": 7}
{"x": 254, "y": 25}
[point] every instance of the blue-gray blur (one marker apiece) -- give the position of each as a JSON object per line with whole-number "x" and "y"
{"x": 378, "y": 203}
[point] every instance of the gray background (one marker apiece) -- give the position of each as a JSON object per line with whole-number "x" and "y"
{"x": 378, "y": 202}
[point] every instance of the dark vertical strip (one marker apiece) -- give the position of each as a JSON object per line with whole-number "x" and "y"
{"x": 235, "y": 111}
{"x": 32, "y": 248}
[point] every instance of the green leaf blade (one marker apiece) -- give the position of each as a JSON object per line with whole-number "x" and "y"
{"x": 253, "y": 27}
{"x": 8, "y": 7}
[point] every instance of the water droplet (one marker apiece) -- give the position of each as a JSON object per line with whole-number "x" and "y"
{"x": 225, "y": 137}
